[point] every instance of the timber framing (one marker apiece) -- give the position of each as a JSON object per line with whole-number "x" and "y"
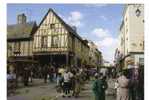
{"x": 52, "y": 39}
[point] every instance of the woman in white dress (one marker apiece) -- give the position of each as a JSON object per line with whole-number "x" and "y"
{"x": 123, "y": 90}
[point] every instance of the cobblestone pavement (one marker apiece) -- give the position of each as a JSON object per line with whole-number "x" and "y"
{"x": 47, "y": 91}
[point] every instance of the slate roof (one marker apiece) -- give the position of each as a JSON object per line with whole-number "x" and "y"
{"x": 21, "y": 31}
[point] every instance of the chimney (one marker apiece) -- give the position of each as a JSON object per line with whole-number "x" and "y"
{"x": 21, "y": 18}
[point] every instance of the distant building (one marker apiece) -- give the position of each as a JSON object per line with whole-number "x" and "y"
{"x": 95, "y": 56}
{"x": 131, "y": 37}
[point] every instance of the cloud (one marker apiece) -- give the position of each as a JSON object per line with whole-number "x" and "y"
{"x": 75, "y": 19}
{"x": 100, "y": 32}
{"x": 75, "y": 15}
{"x": 105, "y": 42}
{"x": 107, "y": 46}
{"x": 108, "y": 42}
{"x": 103, "y": 18}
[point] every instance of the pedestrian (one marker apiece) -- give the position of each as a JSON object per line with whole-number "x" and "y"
{"x": 45, "y": 73}
{"x": 123, "y": 83}
{"x": 73, "y": 84}
{"x": 116, "y": 85}
{"x": 82, "y": 78}
{"x": 104, "y": 87}
{"x": 99, "y": 87}
{"x": 51, "y": 74}
{"x": 66, "y": 84}
{"x": 26, "y": 75}
{"x": 61, "y": 70}
{"x": 31, "y": 73}
{"x": 9, "y": 82}
{"x": 134, "y": 83}
{"x": 59, "y": 86}
{"x": 77, "y": 85}
{"x": 54, "y": 74}
{"x": 141, "y": 83}
{"x": 104, "y": 71}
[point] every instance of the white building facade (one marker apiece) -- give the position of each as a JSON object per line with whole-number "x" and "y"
{"x": 131, "y": 37}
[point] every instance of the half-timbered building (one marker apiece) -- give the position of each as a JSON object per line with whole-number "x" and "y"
{"x": 57, "y": 42}
{"x": 53, "y": 41}
{"x": 20, "y": 41}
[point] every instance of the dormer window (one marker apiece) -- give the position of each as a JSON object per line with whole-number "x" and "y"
{"x": 138, "y": 12}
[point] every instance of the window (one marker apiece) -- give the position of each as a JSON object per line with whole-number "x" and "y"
{"x": 134, "y": 45}
{"x": 44, "y": 41}
{"x": 55, "y": 41}
{"x": 127, "y": 38}
{"x": 52, "y": 26}
{"x": 17, "y": 48}
{"x": 122, "y": 41}
{"x": 126, "y": 19}
{"x": 45, "y": 24}
{"x": 138, "y": 12}
{"x": 9, "y": 47}
{"x": 57, "y": 30}
{"x": 127, "y": 30}
{"x": 141, "y": 61}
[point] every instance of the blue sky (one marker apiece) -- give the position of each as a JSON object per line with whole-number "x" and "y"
{"x": 97, "y": 22}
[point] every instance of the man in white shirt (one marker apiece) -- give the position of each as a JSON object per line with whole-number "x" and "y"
{"x": 67, "y": 83}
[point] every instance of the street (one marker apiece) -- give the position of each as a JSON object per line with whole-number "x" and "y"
{"x": 41, "y": 91}
{"x": 71, "y": 46}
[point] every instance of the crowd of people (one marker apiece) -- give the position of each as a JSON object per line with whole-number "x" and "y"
{"x": 71, "y": 80}
{"x": 129, "y": 84}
